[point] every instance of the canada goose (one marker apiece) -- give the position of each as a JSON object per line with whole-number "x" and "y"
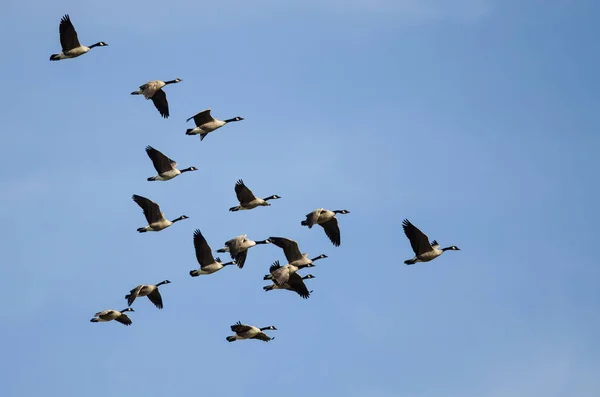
{"x": 281, "y": 274}
{"x": 243, "y": 331}
{"x": 166, "y": 168}
{"x": 205, "y": 124}
{"x": 156, "y": 218}
{"x": 424, "y": 251}
{"x": 292, "y": 251}
{"x": 295, "y": 283}
{"x": 109, "y": 315}
{"x": 153, "y": 90}
{"x": 208, "y": 264}
{"x": 238, "y": 248}
{"x": 327, "y": 220}
{"x": 71, "y": 48}
{"x": 149, "y": 290}
{"x": 247, "y": 199}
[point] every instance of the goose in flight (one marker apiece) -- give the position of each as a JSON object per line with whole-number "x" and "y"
{"x": 153, "y": 90}
{"x": 205, "y": 124}
{"x": 166, "y": 168}
{"x": 295, "y": 283}
{"x": 204, "y": 256}
{"x": 109, "y": 315}
{"x": 424, "y": 250}
{"x": 149, "y": 290}
{"x": 156, "y": 219}
{"x": 327, "y": 220}
{"x": 71, "y": 47}
{"x": 238, "y": 248}
{"x": 243, "y": 331}
{"x": 247, "y": 199}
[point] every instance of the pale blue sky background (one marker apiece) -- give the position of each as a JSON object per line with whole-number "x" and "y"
{"x": 475, "y": 119}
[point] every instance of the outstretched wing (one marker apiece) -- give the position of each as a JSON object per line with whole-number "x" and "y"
{"x": 418, "y": 240}
{"x": 68, "y": 35}
{"x": 155, "y": 298}
{"x": 201, "y": 118}
{"x": 244, "y": 195}
{"x": 150, "y": 208}
{"x": 161, "y": 162}
{"x": 332, "y": 230}
{"x": 123, "y": 319}
{"x": 290, "y": 248}
{"x": 297, "y": 285}
{"x": 262, "y": 336}
{"x": 160, "y": 102}
{"x": 203, "y": 252}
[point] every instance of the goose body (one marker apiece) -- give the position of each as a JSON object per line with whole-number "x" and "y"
{"x": 149, "y": 290}
{"x": 295, "y": 283}
{"x": 156, "y": 219}
{"x": 327, "y": 220}
{"x": 204, "y": 256}
{"x": 205, "y": 124}
{"x": 247, "y": 199}
{"x": 71, "y": 47}
{"x": 423, "y": 249}
{"x": 153, "y": 90}
{"x": 166, "y": 168}
{"x": 244, "y": 331}
{"x": 238, "y": 248}
{"x": 109, "y": 315}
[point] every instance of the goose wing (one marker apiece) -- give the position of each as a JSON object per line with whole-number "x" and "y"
{"x": 297, "y": 285}
{"x": 290, "y": 248}
{"x": 123, "y": 319}
{"x": 244, "y": 195}
{"x": 155, "y": 298}
{"x": 418, "y": 240}
{"x": 150, "y": 208}
{"x": 240, "y": 258}
{"x": 201, "y": 118}
{"x": 239, "y": 327}
{"x": 160, "y": 102}
{"x": 262, "y": 336}
{"x": 204, "y": 255}
{"x": 161, "y": 162}
{"x": 332, "y": 230}
{"x": 133, "y": 294}
{"x": 68, "y": 34}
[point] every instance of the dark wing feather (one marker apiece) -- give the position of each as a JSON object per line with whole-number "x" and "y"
{"x": 203, "y": 252}
{"x": 332, "y": 230}
{"x": 244, "y": 195}
{"x": 418, "y": 240}
{"x": 161, "y": 162}
{"x": 240, "y": 328}
{"x": 290, "y": 248}
{"x": 274, "y": 266}
{"x": 262, "y": 336}
{"x": 297, "y": 285}
{"x": 150, "y": 208}
{"x": 240, "y": 258}
{"x": 160, "y": 102}
{"x": 155, "y": 298}
{"x": 123, "y": 319}
{"x": 201, "y": 118}
{"x": 68, "y": 35}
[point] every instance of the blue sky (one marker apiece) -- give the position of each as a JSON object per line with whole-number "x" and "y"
{"x": 477, "y": 121}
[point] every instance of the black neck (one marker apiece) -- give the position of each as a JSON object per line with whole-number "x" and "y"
{"x": 265, "y": 328}
{"x": 161, "y": 283}
{"x": 231, "y": 120}
{"x": 261, "y": 242}
{"x": 177, "y": 220}
{"x": 170, "y": 82}
{"x": 446, "y": 249}
{"x": 186, "y": 169}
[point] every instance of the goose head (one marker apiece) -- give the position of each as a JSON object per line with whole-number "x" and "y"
{"x": 180, "y": 218}
{"x": 451, "y": 248}
{"x": 308, "y": 276}
{"x": 99, "y": 44}
{"x": 234, "y": 119}
{"x": 341, "y": 211}
{"x": 270, "y": 327}
{"x": 127, "y": 310}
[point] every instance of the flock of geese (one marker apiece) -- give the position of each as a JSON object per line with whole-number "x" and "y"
{"x": 283, "y": 277}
